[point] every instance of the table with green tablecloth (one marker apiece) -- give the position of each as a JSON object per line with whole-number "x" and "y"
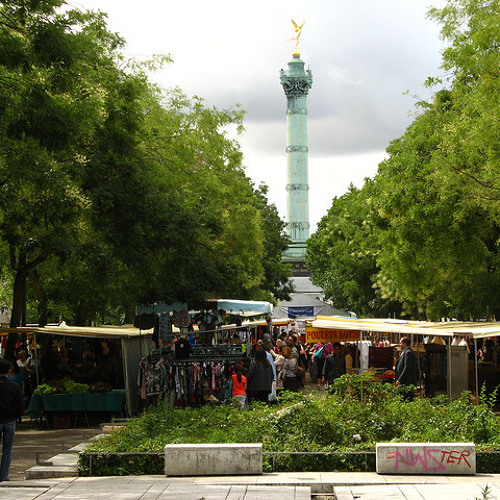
{"x": 111, "y": 402}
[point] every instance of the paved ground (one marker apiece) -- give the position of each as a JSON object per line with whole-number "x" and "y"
{"x": 481, "y": 486}
{"x": 34, "y": 443}
{"x": 147, "y": 488}
{"x": 290, "y": 486}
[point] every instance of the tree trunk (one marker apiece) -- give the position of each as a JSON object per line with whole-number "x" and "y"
{"x": 129, "y": 314}
{"x": 19, "y": 296}
{"x": 43, "y": 312}
{"x": 82, "y": 315}
{"x": 19, "y": 299}
{"x": 11, "y": 346}
{"x": 18, "y": 317}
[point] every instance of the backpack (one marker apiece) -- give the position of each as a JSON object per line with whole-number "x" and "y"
{"x": 318, "y": 353}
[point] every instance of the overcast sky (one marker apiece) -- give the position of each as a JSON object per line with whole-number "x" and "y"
{"x": 364, "y": 55}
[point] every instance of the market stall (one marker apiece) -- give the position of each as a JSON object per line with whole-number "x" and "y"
{"x": 487, "y": 349}
{"x": 72, "y": 406}
{"x": 304, "y": 305}
{"x": 104, "y": 357}
{"x": 195, "y": 350}
{"x": 453, "y": 358}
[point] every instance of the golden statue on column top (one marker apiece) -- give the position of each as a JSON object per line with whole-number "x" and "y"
{"x": 298, "y": 30}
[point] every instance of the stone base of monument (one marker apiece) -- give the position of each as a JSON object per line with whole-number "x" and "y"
{"x": 213, "y": 459}
{"x": 426, "y": 458}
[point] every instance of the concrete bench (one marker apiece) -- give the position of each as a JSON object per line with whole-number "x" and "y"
{"x": 213, "y": 459}
{"x": 426, "y": 458}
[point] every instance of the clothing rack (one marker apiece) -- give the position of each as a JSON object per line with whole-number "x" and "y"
{"x": 207, "y": 359}
{"x": 220, "y": 351}
{"x": 202, "y": 377}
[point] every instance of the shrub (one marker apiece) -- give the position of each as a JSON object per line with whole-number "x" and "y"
{"x": 351, "y": 419}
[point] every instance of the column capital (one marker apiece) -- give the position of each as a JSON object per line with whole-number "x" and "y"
{"x": 296, "y": 81}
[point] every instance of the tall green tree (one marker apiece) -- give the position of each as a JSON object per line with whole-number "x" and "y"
{"x": 468, "y": 151}
{"x": 113, "y": 192}
{"x": 276, "y": 285}
{"x": 439, "y": 188}
{"x": 435, "y": 201}
{"x": 231, "y": 238}
{"x": 342, "y": 255}
{"x": 438, "y": 255}
{"x": 50, "y": 102}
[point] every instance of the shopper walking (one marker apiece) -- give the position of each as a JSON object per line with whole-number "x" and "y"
{"x": 318, "y": 361}
{"x": 334, "y": 366}
{"x": 406, "y": 369}
{"x": 260, "y": 377}
{"x": 11, "y": 408}
{"x": 278, "y": 363}
{"x": 271, "y": 356}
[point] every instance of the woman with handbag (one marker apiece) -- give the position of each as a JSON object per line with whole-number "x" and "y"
{"x": 319, "y": 361}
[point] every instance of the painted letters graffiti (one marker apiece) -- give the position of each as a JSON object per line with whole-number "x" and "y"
{"x": 430, "y": 459}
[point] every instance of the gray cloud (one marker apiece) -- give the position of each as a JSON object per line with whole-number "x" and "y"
{"x": 363, "y": 55}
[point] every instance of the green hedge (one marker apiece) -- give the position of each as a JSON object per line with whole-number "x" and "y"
{"x": 347, "y": 420}
{"x": 154, "y": 463}
{"x": 109, "y": 464}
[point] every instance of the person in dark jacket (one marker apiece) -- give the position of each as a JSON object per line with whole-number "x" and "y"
{"x": 11, "y": 408}
{"x": 259, "y": 378}
{"x": 406, "y": 368}
{"x": 334, "y": 366}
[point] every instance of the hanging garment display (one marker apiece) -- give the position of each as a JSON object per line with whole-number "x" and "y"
{"x": 152, "y": 377}
{"x": 186, "y": 383}
{"x": 165, "y": 333}
{"x": 181, "y": 319}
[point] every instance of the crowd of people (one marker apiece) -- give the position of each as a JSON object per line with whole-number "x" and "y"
{"x": 282, "y": 364}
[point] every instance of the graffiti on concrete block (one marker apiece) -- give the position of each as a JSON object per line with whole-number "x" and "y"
{"x": 429, "y": 459}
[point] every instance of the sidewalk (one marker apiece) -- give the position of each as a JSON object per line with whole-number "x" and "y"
{"x": 145, "y": 488}
{"x": 283, "y": 486}
{"x": 34, "y": 444}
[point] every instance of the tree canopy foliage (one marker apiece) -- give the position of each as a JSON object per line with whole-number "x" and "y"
{"x": 113, "y": 191}
{"x": 433, "y": 207}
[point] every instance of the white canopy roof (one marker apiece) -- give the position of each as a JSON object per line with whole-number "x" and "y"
{"x": 406, "y": 327}
{"x": 302, "y": 301}
{"x": 108, "y": 332}
{"x": 245, "y": 308}
{"x": 477, "y": 329}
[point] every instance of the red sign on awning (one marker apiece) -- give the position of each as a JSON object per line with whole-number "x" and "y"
{"x": 324, "y": 335}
